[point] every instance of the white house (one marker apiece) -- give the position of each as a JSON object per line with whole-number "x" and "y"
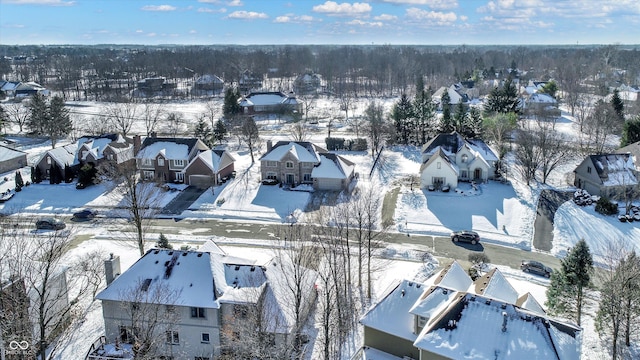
{"x": 198, "y": 296}
{"x": 449, "y": 158}
{"x": 610, "y": 175}
{"x": 450, "y": 316}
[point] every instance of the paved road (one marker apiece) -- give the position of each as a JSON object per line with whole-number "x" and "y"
{"x": 182, "y": 202}
{"x": 548, "y": 204}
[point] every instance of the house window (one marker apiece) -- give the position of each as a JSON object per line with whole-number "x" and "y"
{"x": 179, "y": 177}
{"x": 306, "y": 177}
{"x": 48, "y": 160}
{"x": 198, "y": 312}
{"x": 464, "y": 158}
{"x": 464, "y": 174}
{"x": 272, "y": 163}
{"x": 148, "y": 175}
{"x": 289, "y": 165}
{"x": 589, "y": 169}
{"x": 147, "y": 162}
{"x": 438, "y": 165}
{"x": 178, "y": 163}
{"x": 109, "y": 156}
{"x": 422, "y": 321}
{"x": 205, "y": 338}
{"x": 271, "y": 175}
{"x": 127, "y": 334}
{"x": 160, "y": 162}
{"x": 173, "y": 337}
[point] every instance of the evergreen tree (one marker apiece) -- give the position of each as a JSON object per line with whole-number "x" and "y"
{"x": 231, "y": 106}
{"x": 219, "y": 132}
{"x": 474, "y": 121}
{"x": 565, "y": 294}
{"x": 203, "y": 132}
{"x": 503, "y": 100}
{"x": 18, "y": 179}
{"x": 401, "y": 115}
{"x": 459, "y": 119}
{"x": 68, "y": 174}
{"x": 550, "y": 88}
{"x": 446, "y": 123}
{"x": 38, "y": 114}
{"x": 163, "y": 242}
{"x": 617, "y": 104}
{"x": 424, "y": 114}
{"x": 59, "y": 124}
{"x": 37, "y": 175}
{"x": 630, "y": 131}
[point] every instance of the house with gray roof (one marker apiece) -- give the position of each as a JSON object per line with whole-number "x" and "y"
{"x": 62, "y": 158}
{"x": 165, "y": 159}
{"x": 610, "y": 175}
{"x": 273, "y": 102}
{"x": 450, "y": 316}
{"x": 450, "y": 158}
{"x": 11, "y": 159}
{"x": 209, "y": 168}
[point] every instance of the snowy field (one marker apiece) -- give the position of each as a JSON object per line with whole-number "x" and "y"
{"x": 503, "y": 213}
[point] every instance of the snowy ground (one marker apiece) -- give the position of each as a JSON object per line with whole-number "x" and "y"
{"x": 502, "y": 213}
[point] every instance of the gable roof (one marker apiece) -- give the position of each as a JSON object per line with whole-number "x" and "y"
{"x": 170, "y": 148}
{"x": 7, "y": 153}
{"x": 494, "y": 285}
{"x": 63, "y": 155}
{"x": 451, "y": 143}
{"x": 633, "y": 149}
{"x": 97, "y": 144}
{"x": 615, "y": 169}
{"x": 212, "y": 158}
{"x": 439, "y": 154}
{"x": 303, "y": 151}
{"x": 333, "y": 166}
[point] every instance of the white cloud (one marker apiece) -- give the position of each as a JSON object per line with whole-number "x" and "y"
{"x": 291, "y": 18}
{"x": 40, "y": 2}
{"x": 210, "y": 10}
{"x": 332, "y": 8}
{"x": 12, "y": 26}
{"x": 283, "y": 19}
{"x": 210, "y": 1}
{"x": 385, "y": 17}
{"x": 192, "y": 32}
{"x": 235, "y": 3}
{"x": 158, "y": 8}
{"x": 434, "y": 4}
{"x": 247, "y": 15}
{"x": 434, "y": 17}
{"x": 365, "y": 23}
{"x": 151, "y": 34}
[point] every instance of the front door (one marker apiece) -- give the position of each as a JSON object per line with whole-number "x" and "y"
{"x": 477, "y": 174}
{"x": 290, "y": 179}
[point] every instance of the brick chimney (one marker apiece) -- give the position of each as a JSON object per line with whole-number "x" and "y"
{"x": 269, "y": 145}
{"x": 137, "y": 143}
{"x": 111, "y": 268}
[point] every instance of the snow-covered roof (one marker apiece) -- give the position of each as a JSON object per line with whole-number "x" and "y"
{"x": 96, "y": 145}
{"x": 7, "y": 153}
{"x": 212, "y": 158}
{"x": 440, "y": 154}
{"x": 333, "y": 166}
{"x": 391, "y": 314}
{"x": 541, "y": 98}
{"x": 615, "y": 169}
{"x": 170, "y": 148}
{"x": 527, "y": 301}
{"x": 453, "y": 277}
{"x": 303, "y": 151}
{"x": 494, "y": 285}
{"x": 209, "y": 79}
{"x": 64, "y": 155}
{"x": 482, "y": 149}
{"x": 266, "y": 98}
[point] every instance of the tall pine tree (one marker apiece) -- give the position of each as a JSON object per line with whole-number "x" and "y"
{"x": 617, "y": 104}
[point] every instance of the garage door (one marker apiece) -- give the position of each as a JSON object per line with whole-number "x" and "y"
{"x": 330, "y": 184}
{"x": 201, "y": 181}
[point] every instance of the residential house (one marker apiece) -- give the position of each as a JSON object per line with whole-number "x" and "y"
{"x": 540, "y": 104}
{"x": 307, "y": 83}
{"x": 26, "y": 89}
{"x": 208, "y": 168}
{"x": 610, "y": 175}
{"x": 112, "y": 147}
{"x": 274, "y": 102}
{"x": 249, "y": 81}
{"x": 450, "y": 316}
{"x": 449, "y": 158}
{"x": 300, "y": 162}
{"x": 8, "y": 88}
{"x": 634, "y": 150}
{"x": 64, "y": 158}
{"x": 208, "y": 83}
{"x": 11, "y": 159}
{"x": 207, "y": 294}
{"x": 165, "y": 159}
{"x": 455, "y": 97}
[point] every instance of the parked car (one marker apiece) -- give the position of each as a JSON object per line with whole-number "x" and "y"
{"x": 536, "y": 267}
{"x": 466, "y": 236}
{"x": 85, "y": 214}
{"x": 50, "y": 224}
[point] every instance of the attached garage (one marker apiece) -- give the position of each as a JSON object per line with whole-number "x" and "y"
{"x": 201, "y": 181}
{"x": 330, "y": 184}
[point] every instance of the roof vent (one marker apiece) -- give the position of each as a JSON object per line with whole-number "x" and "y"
{"x": 418, "y": 286}
{"x": 504, "y": 321}
{"x": 184, "y": 254}
{"x": 237, "y": 267}
{"x": 253, "y": 268}
{"x": 488, "y": 302}
{"x": 199, "y": 254}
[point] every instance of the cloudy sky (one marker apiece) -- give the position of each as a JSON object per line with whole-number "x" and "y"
{"x": 415, "y": 22}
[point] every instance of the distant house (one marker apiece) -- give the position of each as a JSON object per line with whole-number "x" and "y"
{"x": 11, "y": 159}
{"x": 608, "y": 175}
{"x": 307, "y": 83}
{"x": 450, "y": 316}
{"x": 299, "y": 162}
{"x": 64, "y": 158}
{"x": 21, "y": 89}
{"x": 456, "y": 96}
{"x": 208, "y": 83}
{"x": 208, "y": 168}
{"x": 209, "y": 294}
{"x": 269, "y": 103}
{"x": 539, "y": 103}
{"x": 249, "y": 81}
{"x": 165, "y": 159}
{"x": 112, "y": 147}
{"x": 449, "y": 158}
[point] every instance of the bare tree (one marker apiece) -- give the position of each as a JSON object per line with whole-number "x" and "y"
{"x": 122, "y": 115}
{"x": 250, "y": 135}
{"x": 308, "y": 103}
{"x": 151, "y": 115}
{"x": 527, "y": 154}
{"x": 299, "y": 131}
{"x": 174, "y": 124}
{"x": 137, "y": 197}
{"x": 18, "y": 114}
{"x": 600, "y": 125}
{"x": 376, "y": 127}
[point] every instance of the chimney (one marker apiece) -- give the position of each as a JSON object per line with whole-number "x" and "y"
{"x": 504, "y": 321}
{"x": 137, "y": 143}
{"x": 269, "y": 145}
{"x": 112, "y": 268}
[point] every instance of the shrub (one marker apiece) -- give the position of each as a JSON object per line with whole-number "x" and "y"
{"x": 478, "y": 258}
{"x": 605, "y": 206}
{"x": 163, "y": 242}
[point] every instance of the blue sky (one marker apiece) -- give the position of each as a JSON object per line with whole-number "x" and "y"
{"x": 245, "y": 22}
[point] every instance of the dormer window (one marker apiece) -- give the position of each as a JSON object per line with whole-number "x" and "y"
{"x": 160, "y": 162}
{"x": 289, "y": 165}
{"x": 464, "y": 158}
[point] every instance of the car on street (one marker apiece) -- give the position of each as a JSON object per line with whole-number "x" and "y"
{"x": 50, "y": 223}
{"x": 85, "y": 214}
{"x": 465, "y": 236}
{"x": 536, "y": 267}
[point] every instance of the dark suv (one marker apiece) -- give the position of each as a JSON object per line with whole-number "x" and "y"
{"x": 50, "y": 224}
{"x": 536, "y": 267}
{"x": 466, "y": 236}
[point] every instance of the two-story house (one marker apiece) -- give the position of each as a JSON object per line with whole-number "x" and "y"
{"x": 165, "y": 159}
{"x": 449, "y": 158}
{"x": 307, "y": 83}
{"x": 62, "y": 159}
{"x": 208, "y": 168}
{"x": 300, "y": 162}
{"x": 450, "y": 316}
{"x": 193, "y": 304}
{"x": 112, "y": 147}
{"x": 610, "y": 175}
